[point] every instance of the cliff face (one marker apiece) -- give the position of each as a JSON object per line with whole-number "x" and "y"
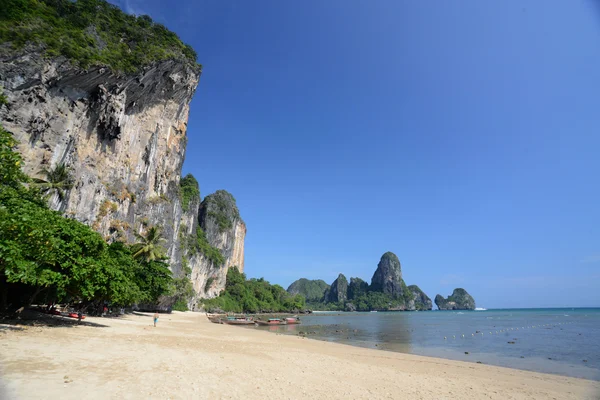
{"x": 459, "y": 300}
{"x": 220, "y": 223}
{"x": 388, "y": 276}
{"x": 357, "y": 288}
{"x": 338, "y": 291}
{"x": 421, "y": 300}
{"x": 123, "y": 138}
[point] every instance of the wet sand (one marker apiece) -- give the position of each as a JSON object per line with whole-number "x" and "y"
{"x": 187, "y": 357}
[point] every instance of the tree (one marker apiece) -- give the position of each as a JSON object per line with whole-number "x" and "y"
{"x": 46, "y": 257}
{"x": 253, "y": 295}
{"x": 149, "y": 246}
{"x": 58, "y": 179}
{"x": 154, "y": 280}
{"x": 189, "y": 191}
{"x": 10, "y": 162}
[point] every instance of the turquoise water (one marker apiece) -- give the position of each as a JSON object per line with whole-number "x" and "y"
{"x": 545, "y": 340}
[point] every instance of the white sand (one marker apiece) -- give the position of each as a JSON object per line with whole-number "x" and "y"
{"x": 187, "y": 357}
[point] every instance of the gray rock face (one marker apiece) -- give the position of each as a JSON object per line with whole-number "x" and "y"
{"x": 123, "y": 138}
{"x": 459, "y": 300}
{"x": 421, "y": 300}
{"x": 225, "y": 230}
{"x": 388, "y": 276}
{"x": 338, "y": 291}
{"x": 357, "y": 288}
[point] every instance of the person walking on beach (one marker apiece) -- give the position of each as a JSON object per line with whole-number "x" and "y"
{"x": 155, "y": 318}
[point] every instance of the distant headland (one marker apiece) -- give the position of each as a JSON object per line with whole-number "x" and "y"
{"x": 387, "y": 292}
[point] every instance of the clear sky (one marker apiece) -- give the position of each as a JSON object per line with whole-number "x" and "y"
{"x": 463, "y": 136}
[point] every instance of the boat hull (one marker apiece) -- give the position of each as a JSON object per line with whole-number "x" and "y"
{"x": 265, "y": 323}
{"x": 235, "y": 322}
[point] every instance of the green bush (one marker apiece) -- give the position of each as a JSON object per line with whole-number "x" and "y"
{"x": 251, "y": 296}
{"x": 91, "y": 32}
{"x": 189, "y": 190}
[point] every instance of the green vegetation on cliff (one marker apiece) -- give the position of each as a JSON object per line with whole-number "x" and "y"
{"x": 189, "y": 190}
{"x": 369, "y": 301}
{"x": 45, "y": 257}
{"x": 221, "y": 208}
{"x": 199, "y": 244}
{"x": 458, "y": 300}
{"x": 91, "y": 32}
{"x": 312, "y": 290}
{"x": 251, "y": 296}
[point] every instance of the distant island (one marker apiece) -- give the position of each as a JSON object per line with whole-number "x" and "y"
{"x": 459, "y": 300}
{"x": 387, "y": 292}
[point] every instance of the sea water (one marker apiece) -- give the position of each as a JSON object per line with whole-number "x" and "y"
{"x": 558, "y": 341}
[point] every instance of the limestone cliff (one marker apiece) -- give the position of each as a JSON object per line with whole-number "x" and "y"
{"x": 459, "y": 300}
{"x": 357, "y": 288}
{"x": 421, "y": 301}
{"x": 338, "y": 291}
{"x": 388, "y": 276}
{"x": 123, "y": 137}
{"x": 220, "y": 230}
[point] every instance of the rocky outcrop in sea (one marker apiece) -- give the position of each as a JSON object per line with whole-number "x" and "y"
{"x": 421, "y": 301}
{"x": 388, "y": 276}
{"x": 387, "y": 291}
{"x": 458, "y": 300}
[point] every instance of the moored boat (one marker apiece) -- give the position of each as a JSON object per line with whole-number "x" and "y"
{"x": 293, "y": 320}
{"x": 215, "y": 318}
{"x": 271, "y": 322}
{"x": 237, "y": 321}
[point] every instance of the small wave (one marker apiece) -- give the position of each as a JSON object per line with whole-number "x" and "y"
{"x": 460, "y": 313}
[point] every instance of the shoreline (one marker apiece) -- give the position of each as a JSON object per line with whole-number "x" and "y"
{"x": 187, "y": 356}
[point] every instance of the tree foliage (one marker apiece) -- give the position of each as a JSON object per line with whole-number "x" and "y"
{"x": 190, "y": 191}
{"x": 149, "y": 246}
{"x": 91, "y": 32}
{"x": 253, "y": 295}
{"x": 312, "y": 290}
{"x": 365, "y": 298}
{"x": 44, "y": 255}
{"x": 58, "y": 179}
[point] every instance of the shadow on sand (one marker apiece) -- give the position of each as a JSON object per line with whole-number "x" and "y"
{"x": 35, "y": 318}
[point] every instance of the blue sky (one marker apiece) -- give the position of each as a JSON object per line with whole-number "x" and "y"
{"x": 463, "y": 136}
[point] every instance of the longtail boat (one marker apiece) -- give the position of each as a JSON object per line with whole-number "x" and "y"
{"x": 271, "y": 322}
{"x": 293, "y": 320}
{"x": 237, "y": 321}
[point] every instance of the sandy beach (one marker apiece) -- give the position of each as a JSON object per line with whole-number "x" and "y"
{"x": 187, "y": 357}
